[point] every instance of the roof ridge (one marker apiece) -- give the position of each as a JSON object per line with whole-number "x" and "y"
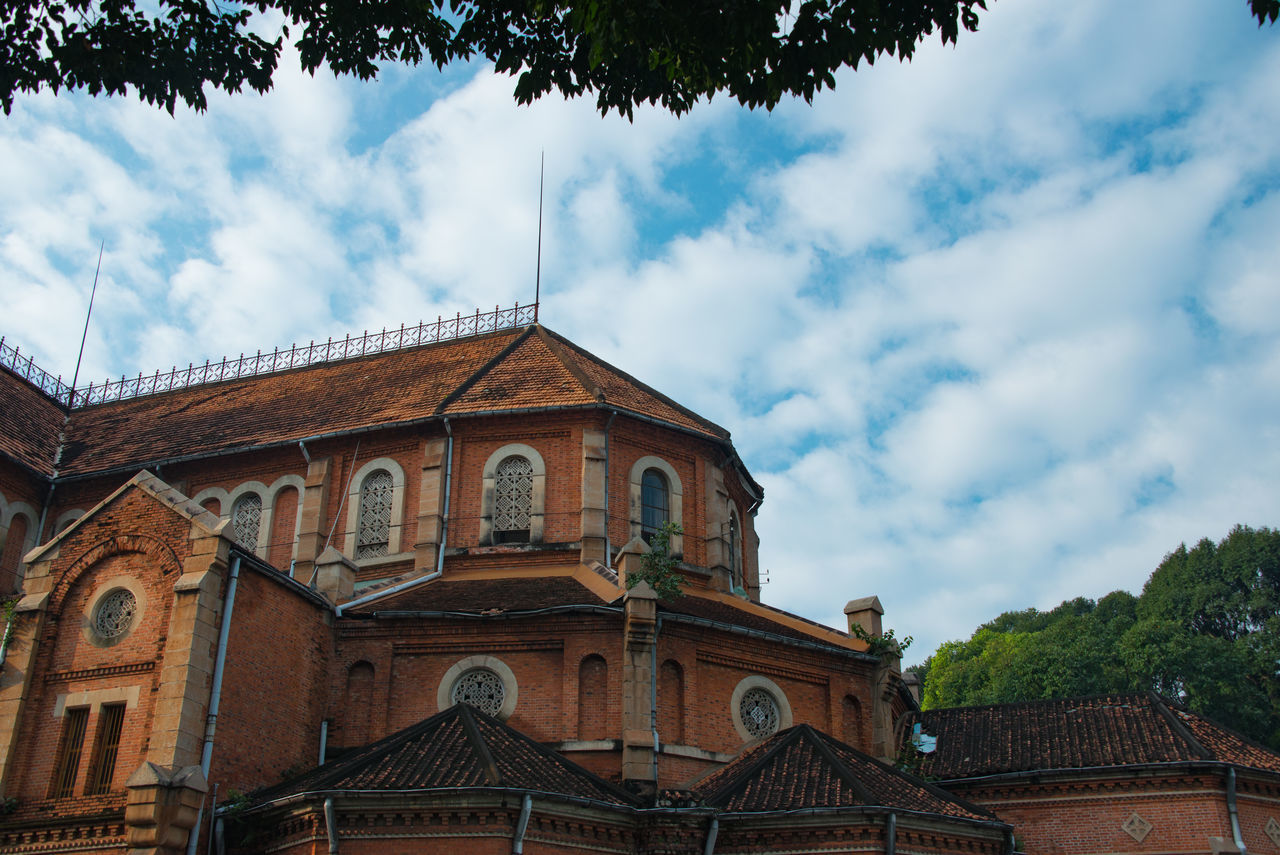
{"x": 839, "y": 766}
{"x": 1179, "y": 727}
{"x": 492, "y": 363}
{"x": 572, "y": 367}
{"x": 478, "y": 743}
{"x": 681, "y": 408}
{"x": 781, "y": 741}
{"x": 1042, "y": 702}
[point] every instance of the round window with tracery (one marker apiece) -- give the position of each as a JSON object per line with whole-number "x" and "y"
{"x": 114, "y": 614}
{"x": 759, "y": 713}
{"x": 480, "y": 688}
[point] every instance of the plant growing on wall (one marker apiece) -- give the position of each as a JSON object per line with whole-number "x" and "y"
{"x": 658, "y": 566}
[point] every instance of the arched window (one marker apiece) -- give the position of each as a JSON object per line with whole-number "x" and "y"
{"x": 655, "y": 503}
{"x": 373, "y": 529}
{"x": 246, "y": 520}
{"x": 593, "y": 698}
{"x": 512, "y": 500}
{"x": 735, "y": 561}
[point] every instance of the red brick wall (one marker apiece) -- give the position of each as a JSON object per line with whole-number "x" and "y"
{"x": 273, "y": 693}
{"x": 72, "y": 664}
{"x": 1070, "y": 815}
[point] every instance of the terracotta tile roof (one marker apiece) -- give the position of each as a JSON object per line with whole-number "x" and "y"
{"x": 513, "y": 369}
{"x": 801, "y": 768}
{"x": 628, "y": 393}
{"x": 458, "y": 748}
{"x": 486, "y": 595}
{"x": 384, "y": 389}
{"x": 29, "y": 424}
{"x": 1074, "y": 733}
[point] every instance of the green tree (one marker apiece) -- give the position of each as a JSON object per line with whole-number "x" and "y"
{"x": 1206, "y": 632}
{"x": 668, "y": 52}
{"x": 658, "y": 566}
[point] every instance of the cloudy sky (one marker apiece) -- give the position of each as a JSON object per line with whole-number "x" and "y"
{"x": 994, "y": 328}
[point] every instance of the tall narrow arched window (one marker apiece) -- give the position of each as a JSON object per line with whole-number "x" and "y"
{"x": 246, "y": 520}
{"x": 735, "y": 561}
{"x": 655, "y": 503}
{"x": 373, "y": 528}
{"x": 512, "y": 500}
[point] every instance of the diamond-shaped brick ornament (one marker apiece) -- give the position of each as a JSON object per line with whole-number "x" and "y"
{"x": 1273, "y": 830}
{"x": 1136, "y": 827}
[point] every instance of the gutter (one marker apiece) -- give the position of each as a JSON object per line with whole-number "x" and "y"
{"x": 219, "y": 668}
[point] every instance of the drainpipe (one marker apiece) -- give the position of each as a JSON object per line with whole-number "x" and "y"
{"x": 219, "y": 667}
{"x": 448, "y": 481}
{"x": 324, "y": 739}
{"x": 1231, "y": 809}
{"x": 522, "y": 825}
{"x": 331, "y": 826}
{"x": 44, "y": 515}
{"x": 302, "y": 444}
{"x": 712, "y": 833}
{"x": 608, "y": 545}
{"x": 653, "y": 695}
{"x": 891, "y": 834}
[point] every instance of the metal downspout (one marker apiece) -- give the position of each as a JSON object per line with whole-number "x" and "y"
{"x": 653, "y": 695}
{"x": 1231, "y": 809}
{"x": 608, "y": 544}
{"x": 211, "y": 720}
{"x": 891, "y": 835}
{"x": 324, "y": 739}
{"x": 712, "y": 833}
{"x": 331, "y": 826}
{"x": 522, "y": 825}
{"x": 448, "y": 481}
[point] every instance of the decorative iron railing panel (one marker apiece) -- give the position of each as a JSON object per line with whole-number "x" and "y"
{"x": 297, "y": 356}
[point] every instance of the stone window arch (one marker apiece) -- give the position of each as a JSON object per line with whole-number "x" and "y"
{"x": 759, "y": 708}
{"x": 375, "y": 511}
{"x": 212, "y": 499}
{"x": 491, "y": 675}
{"x": 240, "y": 508}
{"x": 650, "y": 466}
{"x": 282, "y": 520}
{"x": 65, "y": 520}
{"x": 17, "y": 538}
{"x": 515, "y": 493}
{"x": 734, "y": 542}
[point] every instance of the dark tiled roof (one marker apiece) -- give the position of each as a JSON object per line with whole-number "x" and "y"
{"x": 698, "y": 607}
{"x": 457, "y": 748}
{"x": 485, "y": 595}
{"x": 29, "y": 424}
{"x": 802, "y": 768}
{"x": 1074, "y": 733}
{"x": 513, "y": 369}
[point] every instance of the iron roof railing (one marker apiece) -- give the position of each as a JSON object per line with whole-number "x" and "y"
{"x": 297, "y": 356}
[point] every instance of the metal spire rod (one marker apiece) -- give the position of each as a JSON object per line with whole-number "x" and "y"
{"x": 85, "y": 335}
{"x": 537, "y": 280}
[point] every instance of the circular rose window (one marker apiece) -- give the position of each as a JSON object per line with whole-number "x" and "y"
{"x": 114, "y": 615}
{"x": 759, "y": 713}
{"x": 480, "y": 688}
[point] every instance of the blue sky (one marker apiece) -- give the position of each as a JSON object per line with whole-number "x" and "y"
{"x": 994, "y": 328}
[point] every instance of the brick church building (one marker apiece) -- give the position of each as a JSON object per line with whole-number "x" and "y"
{"x": 370, "y": 596}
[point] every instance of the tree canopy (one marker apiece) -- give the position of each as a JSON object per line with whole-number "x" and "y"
{"x": 667, "y": 52}
{"x": 1205, "y": 631}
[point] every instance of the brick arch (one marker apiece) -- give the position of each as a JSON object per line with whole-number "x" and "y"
{"x": 123, "y": 544}
{"x": 671, "y": 702}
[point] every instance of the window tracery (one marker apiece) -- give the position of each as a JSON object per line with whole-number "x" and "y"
{"x": 246, "y": 520}
{"x": 513, "y": 499}
{"x": 373, "y": 529}
{"x": 759, "y": 713}
{"x": 480, "y": 688}
{"x": 114, "y": 615}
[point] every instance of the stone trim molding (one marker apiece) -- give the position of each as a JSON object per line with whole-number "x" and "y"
{"x": 756, "y": 681}
{"x": 96, "y": 698}
{"x": 444, "y": 694}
